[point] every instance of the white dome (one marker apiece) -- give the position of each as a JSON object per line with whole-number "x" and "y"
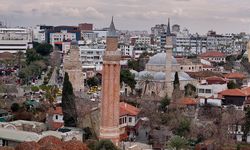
{"x": 160, "y": 59}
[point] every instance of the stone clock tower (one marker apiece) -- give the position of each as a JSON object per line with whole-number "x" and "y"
{"x": 109, "y": 117}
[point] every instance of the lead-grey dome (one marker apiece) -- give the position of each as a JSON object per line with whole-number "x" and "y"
{"x": 160, "y": 59}
{"x": 159, "y": 76}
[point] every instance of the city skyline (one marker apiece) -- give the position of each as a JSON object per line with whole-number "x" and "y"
{"x": 223, "y": 16}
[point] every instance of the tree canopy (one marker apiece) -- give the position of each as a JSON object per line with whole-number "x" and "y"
{"x": 105, "y": 145}
{"x": 32, "y": 55}
{"x": 128, "y": 78}
{"x": 44, "y": 49}
{"x": 190, "y": 90}
{"x": 177, "y": 143}
{"x": 164, "y": 103}
{"x": 93, "y": 81}
{"x": 231, "y": 85}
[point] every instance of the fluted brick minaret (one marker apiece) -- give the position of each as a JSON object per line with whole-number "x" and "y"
{"x": 168, "y": 71}
{"x": 109, "y": 120}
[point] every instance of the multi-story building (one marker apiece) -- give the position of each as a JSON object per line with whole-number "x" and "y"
{"x": 91, "y": 56}
{"x": 59, "y": 37}
{"x": 143, "y": 40}
{"x": 159, "y": 29}
{"x": 14, "y": 40}
{"x": 39, "y": 33}
{"x": 215, "y": 41}
{"x": 126, "y": 49}
{"x": 85, "y": 26}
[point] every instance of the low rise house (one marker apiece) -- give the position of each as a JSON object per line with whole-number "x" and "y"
{"x": 213, "y": 56}
{"x": 55, "y": 118}
{"x": 129, "y": 121}
{"x": 211, "y": 86}
{"x": 236, "y": 97}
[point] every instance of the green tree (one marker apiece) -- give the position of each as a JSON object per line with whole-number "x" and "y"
{"x": 164, "y": 103}
{"x": 133, "y": 64}
{"x": 190, "y": 90}
{"x": 128, "y": 78}
{"x": 105, "y": 145}
{"x": 50, "y": 95}
{"x": 94, "y": 81}
{"x": 176, "y": 81}
{"x": 32, "y": 55}
{"x": 183, "y": 128}
{"x": 247, "y": 122}
{"x": 177, "y": 143}
{"x": 146, "y": 81}
{"x": 231, "y": 85}
{"x": 15, "y": 107}
{"x": 68, "y": 103}
{"x": 44, "y": 49}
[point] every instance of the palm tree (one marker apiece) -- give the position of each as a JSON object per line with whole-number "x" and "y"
{"x": 146, "y": 80}
{"x": 51, "y": 94}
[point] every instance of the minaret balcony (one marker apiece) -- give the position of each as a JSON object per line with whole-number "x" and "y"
{"x": 112, "y": 56}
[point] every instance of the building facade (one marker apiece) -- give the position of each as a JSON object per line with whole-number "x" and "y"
{"x": 14, "y": 40}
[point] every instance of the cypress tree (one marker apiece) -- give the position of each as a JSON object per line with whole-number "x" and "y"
{"x": 176, "y": 81}
{"x": 68, "y": 103}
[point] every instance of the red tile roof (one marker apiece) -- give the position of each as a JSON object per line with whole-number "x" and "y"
{"x": 233, "y": 92}
{"x": 187, "y": 101}
{"x": 74, "y": 145}
{"x": 127, "y": 109}
{"x": 235, "y": 75}
{"x": 57, "y": 110}
{"x": 49, "y": 139}
{"x": 212, "y": 54}
{"x": 215, "y": 80}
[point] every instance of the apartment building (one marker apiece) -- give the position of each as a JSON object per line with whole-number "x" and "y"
{"x": 14, "y": 40}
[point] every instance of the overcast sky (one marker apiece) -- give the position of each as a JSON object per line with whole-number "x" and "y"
{"x": 224, "y": 16}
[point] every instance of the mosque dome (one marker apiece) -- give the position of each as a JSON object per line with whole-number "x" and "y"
{"x": 159, "y": 76}
{"x": 134, "y": 72}
{"x": 183, "y": 76}
{"x": 145, "y": 73}
{"x": 160, "y": 59}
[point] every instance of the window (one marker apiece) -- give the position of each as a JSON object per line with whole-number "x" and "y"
{"x": 130, "y": 119}
{"x": 208, "y": 91}
{"x": 201, "y": 90}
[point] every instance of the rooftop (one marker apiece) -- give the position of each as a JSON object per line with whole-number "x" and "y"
{"x": 212, "y": 54}
{"x": 235, "y": 75}
{"x": 127, "y": 109}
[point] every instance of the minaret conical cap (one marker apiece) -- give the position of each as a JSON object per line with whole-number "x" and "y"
{"x": 168, "y": 28}
{"x": 112, "y": 30}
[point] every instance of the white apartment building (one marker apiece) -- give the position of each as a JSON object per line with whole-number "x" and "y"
{"x": 15, "y": 39}
{"x": 143, "y": 40}
{"x": 59, "y": 37}
{"x": 92, "y": 56}
{"x": 38, "y": 34}
{"x": 126, "y": 49}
